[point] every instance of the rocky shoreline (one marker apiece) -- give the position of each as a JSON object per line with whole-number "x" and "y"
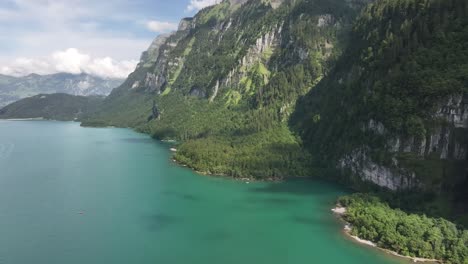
{"x": 341, "y": 211}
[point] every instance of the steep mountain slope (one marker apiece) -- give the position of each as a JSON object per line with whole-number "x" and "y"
{"x": 226, "y": 82}
{"x": 58, "y": 106}
{"x": 16, "y": 88}
{"x": 394, "y": 111}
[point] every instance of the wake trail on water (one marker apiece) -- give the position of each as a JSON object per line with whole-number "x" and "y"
{"x": 6, "y": 149}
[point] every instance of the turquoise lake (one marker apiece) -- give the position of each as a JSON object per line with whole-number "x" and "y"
{"x": 73, "y": 195}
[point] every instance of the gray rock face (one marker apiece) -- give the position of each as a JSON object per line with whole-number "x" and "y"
{"x": 153, "y": 82}
{"x": 447, "y": 139}
{"x": 393, "y": 178}
{"x": 358, "y": 3}
{"x": 215, "y": 92}
{"x": 151, "y": 55}
{"x": 442, "y": 138}
{"x": 156, "y": 60}
{"x": 455, "y": 110}
{"x": 197, "y": 92}
{"x": 376, "y": 127}
{"x": 325, "y": 20}
{"x": 276, "y": 3}
{"x": 186, "y": 24}
{"x": 237, "y": 2}
{"x": 266, "y": 43}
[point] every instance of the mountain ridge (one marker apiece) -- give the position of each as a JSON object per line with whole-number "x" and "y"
{"x": 16, "y": 88}
{"x": 223, "y": 67}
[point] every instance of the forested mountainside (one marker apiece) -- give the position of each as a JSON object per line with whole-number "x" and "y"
{"x": 372, "y": 91}
{"x": 16, "y": 88}
{"x": 63, "y": 107}
{"x": 394, "y": 111}
{"x": 227, "y": 81}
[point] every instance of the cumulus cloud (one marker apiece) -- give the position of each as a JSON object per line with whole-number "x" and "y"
{"x": 32, "y": 29}
{"x": 160, "y": 26}
{"x": 70, "y": 61}
{"x": 196, "y": 5}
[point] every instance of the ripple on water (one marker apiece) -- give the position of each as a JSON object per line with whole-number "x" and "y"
{"x": 158, "y": 221}
{"x": 6, "y": 149}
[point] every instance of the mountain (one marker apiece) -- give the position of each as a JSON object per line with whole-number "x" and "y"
{"x": 394, "y": 111}
{"x": 227, "y": 81}
{"x": 58, "y": 106}
{"x": 369, "y": 93}
{"x": 16, "y": 88}
{"x": 373, "y": 94}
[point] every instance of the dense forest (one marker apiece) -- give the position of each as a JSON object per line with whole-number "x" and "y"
{"x": 59, "y": 106}
{"x": 407, "y": 56}
{"x": 398, "y": 98}
{"x": 407, "y": 234}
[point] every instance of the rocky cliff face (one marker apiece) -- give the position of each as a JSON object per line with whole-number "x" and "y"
{"x": 398, "y": 130}
{"x": 447, "y": 139}
{"x": 391, "y": 176}
{"x": 235, "y": 42}
{"x": 149, "y": 57}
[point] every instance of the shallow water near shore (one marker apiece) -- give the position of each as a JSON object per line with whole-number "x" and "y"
{"x": 73, "y": 195}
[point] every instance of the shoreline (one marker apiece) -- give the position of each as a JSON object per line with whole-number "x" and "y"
{"x": 247, "y": 180}
{"x": 24, "y": 119}
{"x": 338, "y": 210}
{"x": 341, "y": 211}
{"x": 209, "y": 174}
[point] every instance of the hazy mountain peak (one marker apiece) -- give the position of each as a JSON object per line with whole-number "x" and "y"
{"x": 16, "y": 88}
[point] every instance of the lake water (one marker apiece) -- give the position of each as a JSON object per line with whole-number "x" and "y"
{"x": 72, "y": 195}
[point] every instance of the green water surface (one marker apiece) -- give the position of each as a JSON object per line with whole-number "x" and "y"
{"x": 72, "y": 195}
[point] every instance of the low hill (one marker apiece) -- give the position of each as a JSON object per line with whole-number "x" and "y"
{"x": 58, "y": 106}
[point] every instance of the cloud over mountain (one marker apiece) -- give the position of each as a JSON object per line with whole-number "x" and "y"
{"x": 161, "y": 26}
{"x": 70, "y": 61}
{"x": 196, "y": 5}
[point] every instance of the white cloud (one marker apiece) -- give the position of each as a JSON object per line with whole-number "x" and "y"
{"x": 70, "y": 61}
{"x": 107, "y": 67}
{"x": 196, "y": 5}
{"x": 160, "y": 26}
{"x": 31, "y": 29}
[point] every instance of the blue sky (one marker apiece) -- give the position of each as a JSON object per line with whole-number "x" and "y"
{"x": 104, "y": 38}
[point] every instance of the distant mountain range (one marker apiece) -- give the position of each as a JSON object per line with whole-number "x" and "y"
{"x": 15, "y": 88}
